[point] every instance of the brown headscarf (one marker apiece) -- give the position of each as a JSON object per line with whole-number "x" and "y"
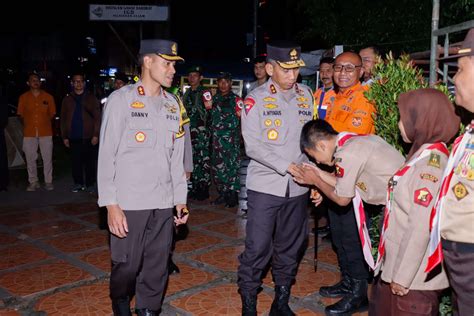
{"x": 428, "y": 117}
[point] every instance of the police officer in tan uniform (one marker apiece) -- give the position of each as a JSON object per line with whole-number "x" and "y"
{"x": 272, "y": 120}
{"x": 428, "y": 121}
{"x": 141, "y": 179}
{"x": 454, "y": 220}
{"x": 364, "y": 164}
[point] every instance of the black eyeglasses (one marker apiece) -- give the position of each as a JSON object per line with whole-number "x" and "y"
{"x": 348, "y": 68}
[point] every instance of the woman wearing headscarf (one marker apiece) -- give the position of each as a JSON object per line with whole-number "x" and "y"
{"x": 428, "y": 121}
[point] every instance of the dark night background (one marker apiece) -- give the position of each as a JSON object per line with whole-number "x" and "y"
{"x": 50, "y": 38}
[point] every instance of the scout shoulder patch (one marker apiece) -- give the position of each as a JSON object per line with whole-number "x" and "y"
{"x": 435, "y": 160}
{"x": 249, "y": 103}
{"x": 137, "y": 105}
{"x": 339, "y": 171}
{"x": 460, "y": 191}
{"x": 429, "y": 177}
{"x": 361, "y": 185}
{"x": 423, "y": 197}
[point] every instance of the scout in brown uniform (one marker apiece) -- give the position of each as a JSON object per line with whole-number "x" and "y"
{"x": 427, "y": 120}
{"x": 364, "y": 164}
{"x": 453, "y": 214}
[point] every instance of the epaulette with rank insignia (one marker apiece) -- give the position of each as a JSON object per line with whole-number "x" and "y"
{"x": 183, "y": 117}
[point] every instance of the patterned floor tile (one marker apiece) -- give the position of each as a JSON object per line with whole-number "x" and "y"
{"x": 100, "y": 259}
{"x": 223, "y": 258}
{"x": 327, "y": 255}
{"x": 51, "y": 229}
{"x": 6, "y": 239}
{"x": 80, "y": 241}
{"x": 196, "y": 240}
{"x": 234, "y": 228}
{"x": 19, "y": 254}
{"x": 308, "y": 281}
{"x": 9, "y": 312}
{"x": 96, "y": 219}
{"x": 85, "y": 300}
{"x": 220, "y": 300}
{"x": 77, "y": 208}
{"x": 202, "y": 216}
{"x": 307, "y": 312}
{"x": 187, "y": 278}
{"x": 43, "y": 277}
{"x": 28, "y": 217}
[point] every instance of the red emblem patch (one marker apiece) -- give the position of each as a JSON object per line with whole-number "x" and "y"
{"x": 339, "y": 171}
{"x": 249, "y": 103}
{"x": 423, "y": 197}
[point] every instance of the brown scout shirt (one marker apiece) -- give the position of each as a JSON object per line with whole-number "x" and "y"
{"x": 457, "y": 214}
{"x": 366, "y": 163}
{"x": 408, "y": 230}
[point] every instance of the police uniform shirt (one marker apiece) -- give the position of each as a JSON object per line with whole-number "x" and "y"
{"x": 271, "y": 127}
{"x": 408, "y": 235}
{"x": 366, "y": 163}
{"x": 141, "y": 151}
{"x": 457, "y": 214}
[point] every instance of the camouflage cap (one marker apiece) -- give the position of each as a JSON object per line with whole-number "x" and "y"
{"x": 195, "y": 69}
{"x": 224, "y": 75}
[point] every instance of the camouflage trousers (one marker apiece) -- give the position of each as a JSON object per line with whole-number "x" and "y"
{"x": 201, "y": 175}
{"x": 226, "y": 161}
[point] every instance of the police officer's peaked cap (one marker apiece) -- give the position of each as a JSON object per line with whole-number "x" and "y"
{"x": 467, "y": 47}
{"x": 224, "y": 75}
{"x": 163, "y": 48}
{"x": 195, "y": 69}
{"x": 286, "y": 54}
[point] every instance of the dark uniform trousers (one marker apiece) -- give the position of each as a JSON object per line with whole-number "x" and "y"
{"x": 459, "y": 259}
{"x": 347, "y": 242}
{"x": 84, "y": 161}
{"x": 277, "y": 229}
{"x": 384, "y": 303}
{"x": 140, "y": 260}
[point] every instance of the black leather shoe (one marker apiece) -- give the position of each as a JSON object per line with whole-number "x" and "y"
{"x": 121, "y": 307}
{"x": 354, "y": 302}
{"x": 280, "y": 305}
{"x": 249, "y": 304}
{"x": 172, "y": 267}
{"x": 232, "y": 199}
{"x": 146, "y": 312}
{"x": 339, "y": 289}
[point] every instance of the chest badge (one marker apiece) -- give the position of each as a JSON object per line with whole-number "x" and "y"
{"x": 171, "y": 108}
{"x": 269, "y": 99}
{"x": 137, "y": 105}
{"x": 272, "y": 134}
{"x": 460, "y": 191}
{"x": 361, "y": 185}
{"x": 140, "y": 137}
{"x": 277, "y": 122}
{"x": 268, "y": 122}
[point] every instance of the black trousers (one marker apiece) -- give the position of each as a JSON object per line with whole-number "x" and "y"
{"x": 347, "y": 242}
{"x": 4, "y": 176}
{"x": 83, "y": 161}
{"x": 277, "y": 229}
{"x": 140, "y": 260}
{"x": 459, "y": 259}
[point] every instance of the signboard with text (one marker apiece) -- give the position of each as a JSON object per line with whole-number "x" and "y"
{"x": 119, "y": 12}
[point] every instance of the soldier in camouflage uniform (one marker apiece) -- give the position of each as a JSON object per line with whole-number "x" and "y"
{"x": 225, "y": 129}
{"x": 196, "y": 99}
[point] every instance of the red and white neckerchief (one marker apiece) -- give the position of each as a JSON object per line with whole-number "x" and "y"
{"x": 434, "y": 247}
{"x": 359, "y": 211}
{"x": 441, "y": 147}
